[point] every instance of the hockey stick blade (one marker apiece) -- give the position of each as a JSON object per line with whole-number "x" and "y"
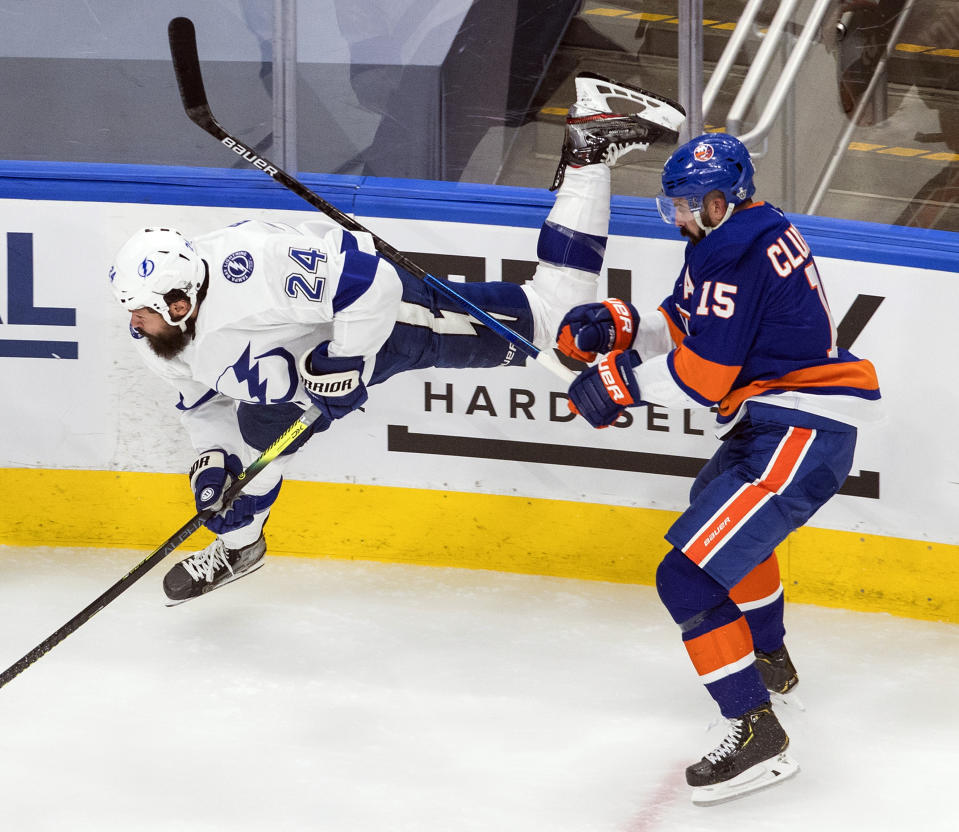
{"x": 186, "y": 65}
{"x": 285, "y": 439}
{"x": 182, "y": 36}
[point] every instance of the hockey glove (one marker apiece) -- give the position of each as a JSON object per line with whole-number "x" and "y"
{"x": 601, "y": 393}
{"x": 334, "y": 384}
{"x": 597, "y": 328}
{"x": 212, "y": 473}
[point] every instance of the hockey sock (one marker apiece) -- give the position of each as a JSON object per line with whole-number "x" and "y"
{"x": 714, "y": 632}
{"x": 760, "y": 597}
{"x": 571, "y": 248}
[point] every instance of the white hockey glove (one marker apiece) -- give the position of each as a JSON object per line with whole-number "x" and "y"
{"x": 334, "y": 384}
{"x": 211, "y": 474}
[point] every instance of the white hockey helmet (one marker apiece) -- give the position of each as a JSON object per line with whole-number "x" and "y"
{"x": 152, "y": 263}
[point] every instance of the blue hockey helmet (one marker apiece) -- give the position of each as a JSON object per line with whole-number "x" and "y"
{"x": 711, "y": 162}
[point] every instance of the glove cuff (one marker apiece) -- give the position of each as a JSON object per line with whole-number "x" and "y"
{"x": 625, "y": 323}
{"x": 213, "y": 458}
{"x": 330, "y": 377}
{"x": 616, "y": 373}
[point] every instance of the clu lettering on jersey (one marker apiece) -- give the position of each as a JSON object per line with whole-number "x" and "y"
{"x": 22, "y": 311}
{"x": 788, "y": 252}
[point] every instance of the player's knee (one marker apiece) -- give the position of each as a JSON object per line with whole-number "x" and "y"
{"x": 686, "y": 591}
{"x": 261, "y": 424}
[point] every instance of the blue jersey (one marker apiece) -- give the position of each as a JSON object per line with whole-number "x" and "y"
{"x": 749, "y": 317}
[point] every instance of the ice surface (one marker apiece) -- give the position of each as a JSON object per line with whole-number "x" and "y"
{"x": 365, "y": 697}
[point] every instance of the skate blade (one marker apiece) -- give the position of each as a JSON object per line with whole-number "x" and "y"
{"x": 262, "y": 562}
{"x": 595, "y": 92}
{"x": 789, "y": 700}
{"x": 763, "y": 775}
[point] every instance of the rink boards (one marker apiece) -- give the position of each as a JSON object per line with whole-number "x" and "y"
{"x": 480, "y": 468}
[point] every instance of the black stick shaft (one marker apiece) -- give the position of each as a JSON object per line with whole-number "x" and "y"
{"x": 186, "y": 65}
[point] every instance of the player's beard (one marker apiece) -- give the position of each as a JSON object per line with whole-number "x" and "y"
{"x": 693, "y": 238}
{"x": 170, "y": 343}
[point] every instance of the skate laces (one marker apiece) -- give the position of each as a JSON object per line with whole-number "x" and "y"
{"x": 203, "y": 564}
{"x": 729, "y": 744}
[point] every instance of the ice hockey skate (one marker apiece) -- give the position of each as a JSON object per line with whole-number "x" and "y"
{"x": 211, "y": 568}
{"x": 780, "y": 677}
{"x": 776, "y": 668}
{"x": 751, "y": 757}
{"x": 596, "y": 133}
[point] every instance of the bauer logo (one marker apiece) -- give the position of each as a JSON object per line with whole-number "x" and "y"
{"x": 18, "y": 331}
{"x": 250, "y": 156}
{"x": 238, "y": 266}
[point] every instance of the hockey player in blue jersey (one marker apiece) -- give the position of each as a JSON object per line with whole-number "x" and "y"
{"x": 747, "y": 330}
{"x": 253, "y": 323}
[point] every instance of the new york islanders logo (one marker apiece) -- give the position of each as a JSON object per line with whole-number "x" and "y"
{"x": 703, "y": 152}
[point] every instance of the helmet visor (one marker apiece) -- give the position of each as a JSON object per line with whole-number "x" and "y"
{"x": 677, "y": 210}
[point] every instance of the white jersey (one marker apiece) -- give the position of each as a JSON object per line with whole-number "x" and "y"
{"x": 275, "y": 292}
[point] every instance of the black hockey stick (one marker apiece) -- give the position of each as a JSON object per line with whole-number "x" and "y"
{"x": 186, "y": 65}
{"x": 282, "y": 443}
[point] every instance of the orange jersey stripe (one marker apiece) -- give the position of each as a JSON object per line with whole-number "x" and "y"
{"x": 762, "y": 582}
{"x": 675, "y": 332}
{"x": 709, "y": 379}
{"x": 750, "y": 496}
{"x": 721, "y": 647}
{"x": 858, "y": 374}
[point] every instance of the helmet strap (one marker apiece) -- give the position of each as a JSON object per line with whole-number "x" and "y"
{"x": 698, "y": 216}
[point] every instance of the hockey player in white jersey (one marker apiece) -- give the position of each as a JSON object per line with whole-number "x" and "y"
{"x": 253, "y": 323}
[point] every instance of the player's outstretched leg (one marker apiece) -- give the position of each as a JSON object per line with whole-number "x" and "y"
{"x": 570, "y": 250}
{"x": 572, "y": 242}
{"x": 751, "y": 757}
{"x": 609, "y": 119}
{"x": 211, "y": 568}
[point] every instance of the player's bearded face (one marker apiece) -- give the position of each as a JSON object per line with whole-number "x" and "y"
{"x": 166, "y": 341}
{"x": 168, "y": 344}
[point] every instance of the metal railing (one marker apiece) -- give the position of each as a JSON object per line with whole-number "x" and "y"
{"x": 842, "y": 142}
{"x": 284, "y": 83}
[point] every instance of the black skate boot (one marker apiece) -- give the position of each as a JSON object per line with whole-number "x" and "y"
{"x": 211, "y": 568}
{"x": 595, "y": 134}
{"x": 752, "y": 757}
{"x": 776, "y": 668}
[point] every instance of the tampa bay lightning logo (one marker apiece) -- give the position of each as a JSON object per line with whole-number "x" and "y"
{"x": 238, "y": 266}
{"x": 146, "y": 267}
{"x": 267, "y": 378}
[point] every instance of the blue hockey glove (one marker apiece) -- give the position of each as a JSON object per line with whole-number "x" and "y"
{"x": 334, "y": 384}
{"x": 601, "y": 393}
{"x": 212, "y": 473}
{"x": 597, "y": 328}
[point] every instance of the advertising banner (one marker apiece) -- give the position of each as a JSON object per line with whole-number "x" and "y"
{"x": 77, "y": 396}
